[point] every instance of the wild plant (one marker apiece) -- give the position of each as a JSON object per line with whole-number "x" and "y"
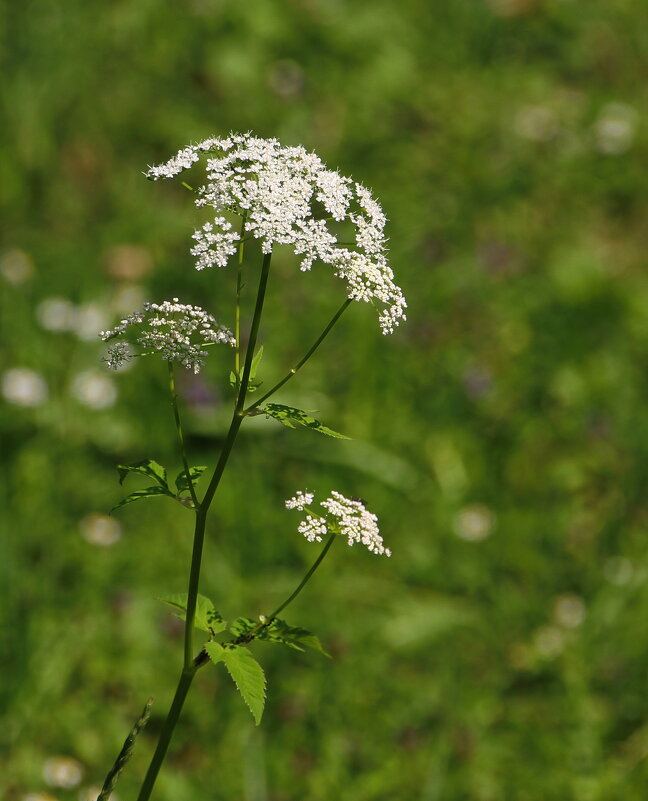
{"x": 255, "y": 189}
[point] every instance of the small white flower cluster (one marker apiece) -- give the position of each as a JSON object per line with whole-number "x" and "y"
{"x": 179, "y": 332}
{"x": 346, "y": 516}
{"x": 300, "y": 501}
{"x": 289, "y": 197}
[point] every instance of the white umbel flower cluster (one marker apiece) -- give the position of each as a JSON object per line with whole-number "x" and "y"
{"x": 289, "y": 197}
{"x": 179, "y": 332}
{"x": 346, "y": 516}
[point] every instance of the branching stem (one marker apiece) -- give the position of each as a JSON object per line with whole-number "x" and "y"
{"x": 189, "y": 669}
{"x": 302, "y": 361}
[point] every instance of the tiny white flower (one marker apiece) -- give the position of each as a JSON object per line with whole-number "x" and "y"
{"x": 346, "y": 516}
{"x": 24, "y": 387}
{"x": 300, "y": 500}
{"x": 179, "y": 332}
{"x": 289, "y": 197}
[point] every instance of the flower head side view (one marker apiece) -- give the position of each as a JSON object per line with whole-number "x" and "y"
{"x": 284, "y": 195}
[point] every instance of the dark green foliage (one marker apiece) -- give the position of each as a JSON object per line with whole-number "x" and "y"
{"x": 294, "y": 418}
{"x": 206, "y": 618}
{"x": 245, "y": 671}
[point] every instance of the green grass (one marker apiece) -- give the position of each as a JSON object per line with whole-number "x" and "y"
{"x": 517, "y": 203}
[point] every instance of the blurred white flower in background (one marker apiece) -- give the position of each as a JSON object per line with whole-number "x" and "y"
{"x": 94, "y": 389}
{"x": 127, "y": 262}
{"x": 56, "y": 314}
{"x": 569, "y": 611}
{"x": 16, "y": 266}
{"x": 549, "y": 641}
{"x": 62, "y": 771}
{"x": 39, "y": 797}
{"x": 24, "y": 387}
{"x": 615, "y": 128}
{"x": 127, "y": 298}
{"x": 100, "y": 529}
{"x": 91, "y": 318}
{"x": 474, "y": 523}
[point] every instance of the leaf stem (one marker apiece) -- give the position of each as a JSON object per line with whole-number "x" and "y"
{"x": 302, "y": 361}
{"x": 176, "y": 416}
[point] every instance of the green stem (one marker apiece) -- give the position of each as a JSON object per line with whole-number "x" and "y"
{"x": 239, "y": 288}
{"x": 302, "y": 361}
{"x": 237, "y": 419}
{"x": 189, "y": 669}
{"x": 305, "y": 580}
{"x": 186, "y": 677}
{"x": 176, "y": 416}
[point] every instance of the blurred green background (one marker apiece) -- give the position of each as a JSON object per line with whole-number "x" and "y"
{"x": 500, "y": 434}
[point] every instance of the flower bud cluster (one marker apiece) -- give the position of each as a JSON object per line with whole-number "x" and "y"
{"x": 346, "y": 516}
{"x": 179, "y": 332}
{"x": 289, "y": 197}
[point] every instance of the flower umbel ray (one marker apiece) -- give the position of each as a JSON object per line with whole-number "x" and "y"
{"x": 290, "y": 197}
{"x": 346, "y": 516}
{"x": 177, "y": 331}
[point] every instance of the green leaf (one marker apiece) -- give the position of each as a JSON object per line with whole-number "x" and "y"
{"x": 233, "y": 379}
{"x": 242, "y": 626}
{"x": 143, "y": 493}
{"x": 291, "y": 417}
{"x": 206, "y": 619}
{"x": 146, "y": 467}
{"x": 292, "y": 636}
{"x": 246, "y": 673}
{"x": 182, "y": 482}
{"x": 256, "y": 361}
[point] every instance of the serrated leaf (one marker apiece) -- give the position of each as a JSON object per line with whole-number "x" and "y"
{"x": 246, "y": 673}
{"x": 146, "y": 467}
{"x": 206, "y": 619}
{"x": 292, "y": 418}
{"x": 182, "y": 482}
{"x": 143, "y": 493}
{"x": 293, "y": 636}
{"x": 242, "y": 626}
